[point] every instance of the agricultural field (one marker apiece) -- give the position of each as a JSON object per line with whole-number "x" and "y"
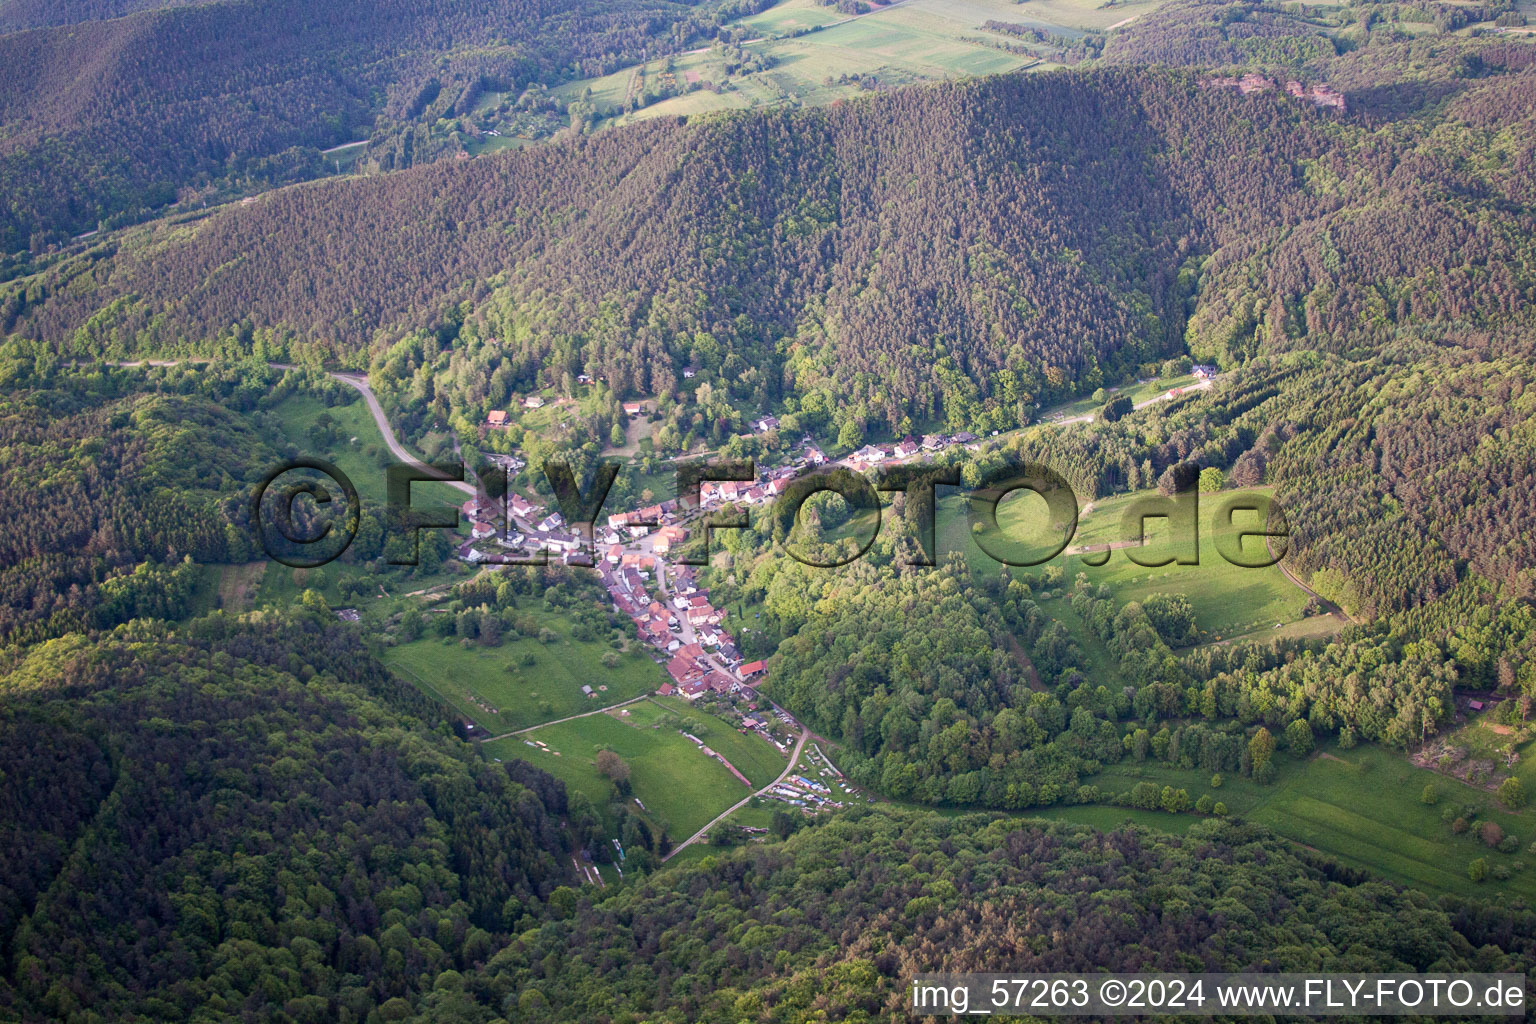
{"x": 525, "y": 681}
{"x": 677, "y": 786}
{"x": 819, "y": 55}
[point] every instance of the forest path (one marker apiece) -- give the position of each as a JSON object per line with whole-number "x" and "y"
{"x": 567, "y": 718}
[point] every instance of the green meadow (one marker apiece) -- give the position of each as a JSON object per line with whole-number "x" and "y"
{"x": 1228, "y": 599}
{"x": 359, "y": 450}
{"x": 525, "y": 680}
{"x": 1362, "y": 806}
{"x": 678, "y": 787}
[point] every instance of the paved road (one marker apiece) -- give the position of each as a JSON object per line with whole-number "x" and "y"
{"x": 1333, "y": 609}
{"x": 794, "y": 758}
{"x": 360, "y": 382}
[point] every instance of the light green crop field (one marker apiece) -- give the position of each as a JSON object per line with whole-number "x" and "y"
{"x": 812, "y": 47}
{"x": 917, "y": 40}
{"x": 475, "y": 678}
{"x": 789, "y": 16}
{"x": 678, "y": 785}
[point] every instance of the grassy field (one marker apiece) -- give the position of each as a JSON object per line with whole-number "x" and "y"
{"x": 1227, "y": 599}
{"x": 1362, "y": 806}
{"x": 679, "y": 787}
{"x": 359, "y": 451}
{"x": 1137, "y": 393}
{"x": 475, "y": 678}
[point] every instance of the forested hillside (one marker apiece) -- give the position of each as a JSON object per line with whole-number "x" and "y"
{"x": 961, "y": 254}
{"x": 957, "y": 255}
{"x": 248, "y": 817}
{"x": 17, "y": 15}
{"x": 837, "y": 920}
{"x": 106, "y": 119}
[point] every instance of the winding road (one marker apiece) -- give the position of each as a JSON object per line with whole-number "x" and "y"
{"x": 354, "y": 380}
{"x": 794, "y": 758}
{"x": 360, "y": 382}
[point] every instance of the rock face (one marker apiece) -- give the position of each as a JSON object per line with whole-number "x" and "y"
{"x": 1323, "y": 95}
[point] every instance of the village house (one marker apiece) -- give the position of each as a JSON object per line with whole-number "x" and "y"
{"x": 906, "y": 447}
{"x": 868, "y": 455}
{"x": 496, "y": 418}
{"x": 478, "y": 509}
{"x": 702, "y": 615}
{"x": 666, "y": 537}
{"x": 533, "y": 402}
{"x": 633, "y": 408}
{"x": 765, "y": 424}
{"x": 510, "y": 463}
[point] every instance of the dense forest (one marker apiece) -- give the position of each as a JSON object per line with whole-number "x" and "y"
{"x": 832, "y": 924}
{"x": 17, "y": 15}
{"x": 107, "y": 119}
{"x": 249, "y": 818}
